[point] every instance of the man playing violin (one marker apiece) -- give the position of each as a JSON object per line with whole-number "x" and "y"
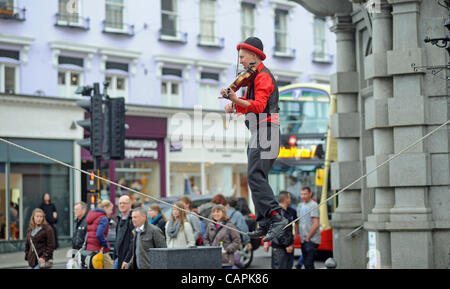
{"x": 260, "y": 107}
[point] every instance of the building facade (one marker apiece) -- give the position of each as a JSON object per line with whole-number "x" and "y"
{"x": 166, "y": 58}
{"x": 397, "y": 217}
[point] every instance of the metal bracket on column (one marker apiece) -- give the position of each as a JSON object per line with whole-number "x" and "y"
{"x": 435, "y": 69}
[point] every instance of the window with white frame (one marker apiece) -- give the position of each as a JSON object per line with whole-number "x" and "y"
{"x": 118, "y": 86}
{"x": 9, "y": 71}
{"x": 117, "y": 76}
{"x": 115, "y": 15}
{"x": 208, "y": 21}
{"x": 7, "y": 7}
{"x": 9, "y": 76}
{"x": 70, "y": 75}
{"x": 69, "y": 16}
{"x": 209, "y": 90}
{"x": 247, "y": 20}
{"x": 281, "y": 34}
{"x": 171, "y": 87}
{"x": 320, "y": 40}
{"x": 169, "y": 17}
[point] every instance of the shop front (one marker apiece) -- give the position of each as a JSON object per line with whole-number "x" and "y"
{"x": 207, "y": 156}
{"x": 25, "y": 178}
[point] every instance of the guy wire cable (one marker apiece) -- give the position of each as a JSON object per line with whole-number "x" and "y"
{"x": 231, "y": 228}
{"x": 118, "y": 185}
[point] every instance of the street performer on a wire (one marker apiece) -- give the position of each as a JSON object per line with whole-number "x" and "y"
{"x": 260, "y": 107}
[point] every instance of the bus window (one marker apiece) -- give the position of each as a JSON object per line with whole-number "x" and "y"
{"x": 304, "y": 111}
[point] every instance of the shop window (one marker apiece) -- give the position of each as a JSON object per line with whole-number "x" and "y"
{"x": 27, "y": 184}
{"x": 143, "y": 176}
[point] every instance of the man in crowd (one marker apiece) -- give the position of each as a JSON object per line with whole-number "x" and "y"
{"x": 283, "y": 244}
{"x": 80, "y": 226}
{"x": 145, "y": 236}
{"x": 309, "y": 227}
{"x": 124, "y": 236}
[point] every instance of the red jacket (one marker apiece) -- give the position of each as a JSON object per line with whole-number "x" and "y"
{"x": 264, "y": 97}
{"x": 97, "y": 231}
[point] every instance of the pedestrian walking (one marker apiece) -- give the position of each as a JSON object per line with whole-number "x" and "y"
{"x": 80, "y": 226}
{"x": 193, "y": 220}
{"x": 157, "y": 217}
{"x": 283, "y": 244}
{"x": 179, "y": 232}
{"x": 124, "y": 236}
{"x": 220, "y": 236}
{"x": 145, "y": 237}
{"x": 51, "y": 215}
{"x": 309, "y": 227}
{"x": 40, "y": 242}
{"x": 98, "y": 227}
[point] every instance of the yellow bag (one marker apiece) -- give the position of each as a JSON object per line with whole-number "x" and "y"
{"x": 97, "y": 261}
{"x": 102, "y": 261}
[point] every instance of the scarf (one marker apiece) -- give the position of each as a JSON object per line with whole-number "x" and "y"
{"x": 173, "y": 229}
{"x": 156, "y": 219}
{"x": 35, "y": 231}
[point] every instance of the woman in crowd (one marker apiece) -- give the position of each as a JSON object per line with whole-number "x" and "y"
{"x": 40, "y": 235}
{"x": 220, "y": 236}
{"x": 179, "y": 233}
{"x": 157, "y": 217}
{"x": 98, "y": 226}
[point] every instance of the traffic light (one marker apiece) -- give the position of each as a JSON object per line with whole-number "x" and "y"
{"x": 94, "y": 125}
{"x": 114, "y": 141}
{"x": 93, "y": 183}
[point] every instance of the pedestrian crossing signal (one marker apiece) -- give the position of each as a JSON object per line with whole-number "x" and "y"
{"x": 93, "y": 184}
{"x": 92, "y": 199}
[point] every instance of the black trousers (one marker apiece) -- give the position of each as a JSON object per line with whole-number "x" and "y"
{"x": 282, "y": 259}
{"x": 309, "y": 250}
{"x": 263, "y": 150}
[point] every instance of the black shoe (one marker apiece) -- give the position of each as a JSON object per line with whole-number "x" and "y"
{"x": 260, "y": 231}
{"x": 277, "y": 224}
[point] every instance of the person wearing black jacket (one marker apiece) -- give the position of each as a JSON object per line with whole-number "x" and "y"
{"x": 283, "y": 244}
{"x": 51, "y": 215}
{"x": 124, "y": 236}
{"x": 80, "y": 226}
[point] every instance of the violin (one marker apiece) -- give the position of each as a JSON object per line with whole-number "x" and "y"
{"x": 242, "y": 79}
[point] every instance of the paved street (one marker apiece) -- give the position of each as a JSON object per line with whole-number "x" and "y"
{"x": 261, "y": 260}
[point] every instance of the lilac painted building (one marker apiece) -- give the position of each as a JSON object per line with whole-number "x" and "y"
{"x": 170, "y": 52}
{"x": 164, "y": 57}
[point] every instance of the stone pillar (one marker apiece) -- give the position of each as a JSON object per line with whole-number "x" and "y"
{"x": 345, "y": 127}
{"x": 377, "y": 121}
{"x": 410, "y": 218}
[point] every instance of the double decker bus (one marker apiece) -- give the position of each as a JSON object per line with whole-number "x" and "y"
{"x": 307, "y": 149}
